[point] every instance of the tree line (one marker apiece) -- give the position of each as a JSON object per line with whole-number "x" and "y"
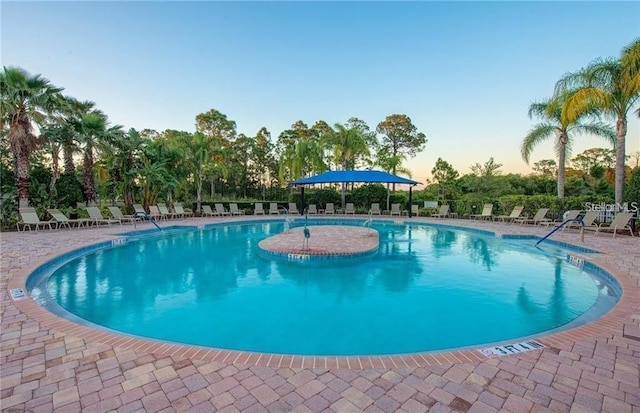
{"x": 56, "y": 150}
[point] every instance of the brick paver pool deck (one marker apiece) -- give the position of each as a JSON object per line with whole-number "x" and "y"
{"x": 49, "y": 364}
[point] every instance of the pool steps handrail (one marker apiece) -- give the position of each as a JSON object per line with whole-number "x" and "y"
{"x": 138, "y": 214}
{"x": 562, "y": 225}
{"x": 369, "y": 221}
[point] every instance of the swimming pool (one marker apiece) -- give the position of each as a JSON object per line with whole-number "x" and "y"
{"x": 428, "y": 288}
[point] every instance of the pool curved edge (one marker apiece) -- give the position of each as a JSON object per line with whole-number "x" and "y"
{"x": 614, "y": 318}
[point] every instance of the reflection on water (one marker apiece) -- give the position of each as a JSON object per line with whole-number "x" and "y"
{"x": 467, "y": 288}
{"x": 556, "y": 302}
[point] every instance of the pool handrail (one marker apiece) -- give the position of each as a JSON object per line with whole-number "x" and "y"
{"x": 562, "y": 225}
{"x": 147, "y": 216}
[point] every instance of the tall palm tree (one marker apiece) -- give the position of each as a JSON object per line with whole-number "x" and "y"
{"x": 613, "y": 87}
{"x": 556, "y": 125}
{"x": 25, "y": 100}
{"x": 93, "y": 130}
{"x": 73, "y": 112}
{"x": 348, "y": 145}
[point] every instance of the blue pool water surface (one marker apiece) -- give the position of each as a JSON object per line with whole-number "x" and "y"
{"x": 428, "y": 288}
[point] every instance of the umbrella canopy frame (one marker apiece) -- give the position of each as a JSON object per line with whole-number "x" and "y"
{"x": 372, "y": 176}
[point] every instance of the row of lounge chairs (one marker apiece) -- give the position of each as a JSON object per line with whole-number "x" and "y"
{"x": 161, "y": 211}
{"x": 329, "y": 209}
{"x": 621, "y": 222}
{"x": 29, "y": 219}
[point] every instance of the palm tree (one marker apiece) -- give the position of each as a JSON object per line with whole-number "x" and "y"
{"x": 73, "y": 112}
{"x": 93, "y": 130}
{"x": 348, "y": 145}
{"x": 612, "y": 86}
{"x": 556, "y": 125}
{"x": 25, "y": 100}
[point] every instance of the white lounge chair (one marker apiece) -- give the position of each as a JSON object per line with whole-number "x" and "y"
{"x": 620, "y": 222}
{"x": 312, "y": 209}
{"x": 164, "y": 211}
{"x": 117, "y": 214}
{"x": 63, "y": 221}
{"x": 206, "y": 211}
{"x": 233, "y": 209}
{"x": 273, "y": 209}
{"x": 375, "y": 209}
{"x": 329, "y": 209}
{"x": 95, "y": 216}
{"x": 443, "y": 212}
{"x": 180, "y": 211}
{"x": 349, "y": 209}
{"x": 293, "y": 208}
{"x": 515, "y": 214}
{"x": 258, "y": 209}
{"x": 29, "y": 218}
{"x": 395, "y": 210}
{"x": 154, "y": 212}
{"x": 415, "y": 210}
{"x": 537, "y": 218}
{"x": 487, "y": 213}
{"x": 221, "y": 211}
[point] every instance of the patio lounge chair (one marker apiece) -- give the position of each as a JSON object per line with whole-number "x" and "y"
{"x": 139, "y": 209}
{"x": 329, "y": 209}
{"x": 29, "y": 218}
{"x": 117, "y": 214}
{"x": 63, "y": 221}
{"x": 206, "y": 211}
{"x": 375, "y": 209}
{"x": 221, "y": 211}
{"x": 312, "y": 209}
{"x": 588, "y": 220}
{"x": 180, "y": 211}
{"x": 233, "y": 209}
{"x": 571, "y": 214}
{"x": 273, "y": 208}
{"x": 443, "y": 212}
{"x": 620, "y": 222}
{"x": 515, "y": 214}
{"x": 165, "y": 213}
{"x": 487, "y": 213}
{"x": 395, "y": 210}
{"x": 415, "y": 210}
{"x": 95, "y": 217}
{"x": 293, "y": 208}
{"x": 258, "y": 209}
{"x": 154, "y": 212}
{"x": 536, "y": 220}
{"x": 349, "y": 209}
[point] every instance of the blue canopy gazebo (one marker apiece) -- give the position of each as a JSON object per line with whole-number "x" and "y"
{"x": 333, "y": 177}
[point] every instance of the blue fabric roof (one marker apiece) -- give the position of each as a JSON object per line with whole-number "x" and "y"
{"x": 354, "y": 176}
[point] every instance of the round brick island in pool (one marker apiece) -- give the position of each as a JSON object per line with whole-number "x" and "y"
{"x": 321, "y": 242}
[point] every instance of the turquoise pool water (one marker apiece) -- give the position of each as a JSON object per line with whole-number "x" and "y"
{"x": 428, "y": 288}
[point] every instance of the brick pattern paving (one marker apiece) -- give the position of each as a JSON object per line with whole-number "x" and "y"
{"x": 47, "y": 366}
{"x": 324, "y": 240}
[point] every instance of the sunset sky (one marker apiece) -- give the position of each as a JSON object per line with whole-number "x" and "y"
{"x": 464, "y": 72}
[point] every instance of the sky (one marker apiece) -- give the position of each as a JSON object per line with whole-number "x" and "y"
{"x": 464, "y": 72}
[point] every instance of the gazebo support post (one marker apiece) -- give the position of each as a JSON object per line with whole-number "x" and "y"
{"x": 410, "y": 199}
{"x": 302, "y": 200}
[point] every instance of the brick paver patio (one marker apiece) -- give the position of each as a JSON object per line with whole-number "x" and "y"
{"x": 48, "y": 364}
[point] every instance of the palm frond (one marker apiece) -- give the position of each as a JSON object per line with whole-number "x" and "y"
{"x": 539, "y": 133}
{"x": 600, "y": 129}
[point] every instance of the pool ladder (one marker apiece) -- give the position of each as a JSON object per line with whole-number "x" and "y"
{"x": 562, "y": 225}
